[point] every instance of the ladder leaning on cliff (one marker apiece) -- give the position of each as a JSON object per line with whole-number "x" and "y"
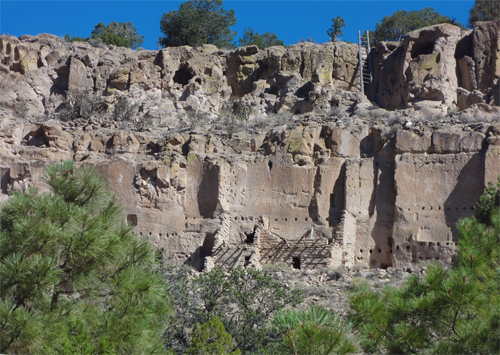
{"x": 365, "y": 64}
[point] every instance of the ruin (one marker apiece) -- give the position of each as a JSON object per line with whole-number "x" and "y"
{"x": 316, "y": 190}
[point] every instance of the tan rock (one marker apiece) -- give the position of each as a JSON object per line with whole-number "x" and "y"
{"x": 122, "y": 142}
{"x": 78, "y": 76}
{"x": 444, "y": 142}
{"x": 57, "y": 137}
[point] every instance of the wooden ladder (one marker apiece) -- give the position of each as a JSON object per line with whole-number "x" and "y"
{"x": 365, "y": 64}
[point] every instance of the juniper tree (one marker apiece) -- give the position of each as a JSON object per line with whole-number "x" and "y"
{"x": 73, "y": 277}
{"x": 122, "y": 34}
{"x": 198, "y": 22}
{"x": 264, "y": 40}
{"x": 244, "y": 300}
{"x": 211, "y": 338}
{"x": 485, "y": 10}
{"x": 335, "y": 31}
{"x": 396, "y": 26}
{"x": 448, "y": 311}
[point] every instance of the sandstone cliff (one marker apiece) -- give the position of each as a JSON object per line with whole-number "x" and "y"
{"x": 352, "y": 185}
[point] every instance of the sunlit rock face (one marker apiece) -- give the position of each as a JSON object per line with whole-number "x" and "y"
{"x": 340, "y": 182}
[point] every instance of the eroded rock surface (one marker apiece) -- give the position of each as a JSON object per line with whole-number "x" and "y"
{"x": 353, "y": 186}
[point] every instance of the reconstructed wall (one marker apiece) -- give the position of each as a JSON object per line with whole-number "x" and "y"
{"x": 326, "y": 206}
{"x": 318, "y": 191}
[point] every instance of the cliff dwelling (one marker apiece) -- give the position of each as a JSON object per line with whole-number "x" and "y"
{"x": 246, "y": 157}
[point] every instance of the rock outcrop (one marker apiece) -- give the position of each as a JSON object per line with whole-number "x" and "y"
{"x": 440, "y": 67}
{"x": 338, "y": 182}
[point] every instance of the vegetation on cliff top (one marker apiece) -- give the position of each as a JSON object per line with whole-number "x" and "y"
{"x": 396, "y": 26}
{"x": 485, "y": 10}
{"x": 198, "y": 22}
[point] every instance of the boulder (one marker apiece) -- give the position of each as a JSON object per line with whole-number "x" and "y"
{"x": 122, "y": 142}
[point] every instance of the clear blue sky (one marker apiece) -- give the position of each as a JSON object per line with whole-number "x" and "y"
{"x": 290, "y": 20}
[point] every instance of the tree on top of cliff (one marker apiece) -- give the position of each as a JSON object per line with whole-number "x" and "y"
{"x": 198, "y": 22}
{"x": 335, "y": 32}
{"x": 122, "y": 34}
{"x": 485, "y": 10}
{"x": 396, "y": 26}
{"x": 73, "y": 278}
{"x": 267, "y": 39}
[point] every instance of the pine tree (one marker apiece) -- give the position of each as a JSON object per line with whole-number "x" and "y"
{"x": 449, "y": 311}
{"x": 73, "y": 278}
{"x": 313, "y": 331}
{"x": 198, "y": 22}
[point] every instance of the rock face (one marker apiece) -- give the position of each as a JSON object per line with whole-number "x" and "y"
{"x": 312, "y": 191}
{"x": 303, "y": 78}
{"x": 317, "y": 194}
{"x": 439, "y": 66}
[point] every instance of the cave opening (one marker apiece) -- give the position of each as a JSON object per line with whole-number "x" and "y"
{"x": 182, "y": 76}
{"x": 296, "y": 262}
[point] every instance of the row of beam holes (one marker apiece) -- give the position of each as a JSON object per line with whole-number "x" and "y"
{"x": 160, "y": 234}
{"x": 378, "y": 249}
{"x": 252, "y": 218}
{"x": 244, "y": 218}
{"x": 447, "y": 208}
{"x": 429, "y": 244}
{"x": 296, "y": 219}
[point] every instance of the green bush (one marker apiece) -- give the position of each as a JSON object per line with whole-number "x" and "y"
{"x": 267, "y": 39}
{"x": 124, "y": 110}
{"x": 244, "y": 300}
{"x": 211, "y": 338}
{"x": 396, "y": 26}
{"x": 122, "y": 34}
{"x": 21, "y": 107}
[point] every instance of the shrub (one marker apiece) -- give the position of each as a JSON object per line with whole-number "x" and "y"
{"x": 212, "y": 338}
{"x": 487, "y": 203}
{"x": 143, "y": 123}
{"x": 337, "y": 273}
{"x": 243, "y": 300}
{"x": 80, "y": 104}
{"x": 390, "y": 132}
{"x": 124, "y": 110}
{"x": 230, "y": 123}
{"x": 21, "y": 107}
{"x": 267, "y": 39}
{"x": 335, "y": 111}
{"x": 196, "y": 118}
{"x": 122, "y": 34}
{"x": 357, "y": 282}
{"x": 280, "y": 118}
